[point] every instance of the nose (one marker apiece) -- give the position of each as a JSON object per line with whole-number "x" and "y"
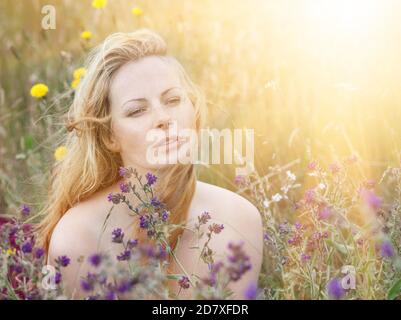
{"x": 162, "y": 119}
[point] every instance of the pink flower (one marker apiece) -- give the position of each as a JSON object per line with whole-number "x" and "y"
{"x": 371, "y": 199}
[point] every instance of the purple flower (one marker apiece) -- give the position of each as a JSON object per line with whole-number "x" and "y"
{"x": 216, "y": 228}
{"x": 63, "y": 261}
{"x": 251, "y": 291}
{"x": 371, "y": 199}
{"x": 165, "y": 216}
{"x": 124, "y": 187}
{"x": 86, "y": 285}
{"x": 324, "y": 213}
{"x": 386, "y": 249}
{"x": 132, "y": 243}
{"x": 184, "y": 282}
{"x": 125, "y": 255}
{"x": 305, "y": 257}
{"x": 122, "y": 171}
{"x": 335, "y": 289}
{"x": 125, "y": 285}
{"x": 284, "y": 228}
{"x": 239, "y": 261}
{"x": 39, "y": 253}
{"x": 95, "y": 259}
{"x": 110, "y": 295}
{"x": 115, "y": 198}
{"x": 155, "y": 202}
{"x": 117, "y": 235}
{"x": 204, "y": 218}
{"x": 143, "y": 222}
{"x": 151, "y": 178}
{"x": 25, "y": 210}
{"x": 57, "y": 278}
{"x": 266, "y": 237}
{"x": 26, "y": 247}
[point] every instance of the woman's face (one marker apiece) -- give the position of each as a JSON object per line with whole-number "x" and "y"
{"x": 146, "y": 96}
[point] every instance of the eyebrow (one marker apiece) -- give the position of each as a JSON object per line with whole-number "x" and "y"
{"x": 143, "y": 99}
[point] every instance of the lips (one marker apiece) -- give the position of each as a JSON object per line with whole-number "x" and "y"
{"x": 170, "y": 140}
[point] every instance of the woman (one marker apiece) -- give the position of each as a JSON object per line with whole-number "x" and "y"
{"x": 131, "y": 87}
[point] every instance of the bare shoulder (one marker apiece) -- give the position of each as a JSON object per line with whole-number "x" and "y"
{"x": 77, "y": 231}
{"x": 226, "y": 203}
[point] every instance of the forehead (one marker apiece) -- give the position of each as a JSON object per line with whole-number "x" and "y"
{"x": 143, "y": 78}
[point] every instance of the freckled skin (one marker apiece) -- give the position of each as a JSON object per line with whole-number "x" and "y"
{"x": 79, "y": 231}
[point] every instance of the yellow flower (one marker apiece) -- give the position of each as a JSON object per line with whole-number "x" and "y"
{"x": 39, "y": 90}
{"x": 79, "y": 73}
{"x": 136, "y": 11}
{"x": 99, "y": 4}
{"x": 75, "y": 83}
{"x": 10, "y": 252}
{"x": 86, "y": 35}
{"x": 60, "y": 153}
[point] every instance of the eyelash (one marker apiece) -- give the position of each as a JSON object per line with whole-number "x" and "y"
{"x": 139, "y": 110}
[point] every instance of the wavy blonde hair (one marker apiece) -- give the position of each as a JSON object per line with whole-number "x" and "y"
{"x": 89, "y": 164}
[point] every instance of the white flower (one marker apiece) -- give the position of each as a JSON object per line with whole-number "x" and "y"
{"x": 266, "y": 203}
{"x": 291, "y": 175}
{"x": 321, "y": 186}
{"x": 277, "y": 197}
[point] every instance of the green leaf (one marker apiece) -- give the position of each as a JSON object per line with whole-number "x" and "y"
{"x": 29, "y": 142}
{"x": 394, "y": 290}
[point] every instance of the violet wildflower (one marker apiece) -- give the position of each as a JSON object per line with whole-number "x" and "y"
{"x": 132, "y": 243}
{"x": 239, "y": 261}
{"x": 324, "y": 213}
{"x": 39, "y": 253}
{"x": 126, "y": 285}
{"x": 386, "y": 249}
{"x": 25, "y": 210}
{"x": 124, "y": 172}
{"x": 151, "y": 178}
{"x": 117, "y": 235}
{"x": 63, "y": 261}
{"x": 335, "y": 289}
{"x": 57, "y": 278}
{"x": 284, "y": 228}
{"x": 95, "y": 259}
{"x": 305, "y": 257}
{"x": 125, "y": 255}
{"x": 110, "y": 295}
{"x": 26, "y": 247}
{"x": 216, "y": 228}
{"x": 165, "y": 216}
{"x": 124, "y": 187}
{"x": 143, "y": 222}
{"x": 371, "y": 199}
{"x": 204, "y": 218}
{"x": 115, "y": 198}
{"x": 184, "y": 282}
{"x": 251, "y": 291}
{"x": 155, "y": 202}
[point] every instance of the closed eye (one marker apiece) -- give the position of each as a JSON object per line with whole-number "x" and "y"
{"x": 136, "y": 112}
{"x": 174, "y": 101}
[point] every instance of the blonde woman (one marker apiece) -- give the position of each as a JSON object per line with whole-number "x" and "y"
{"x": 133, "y": 86}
